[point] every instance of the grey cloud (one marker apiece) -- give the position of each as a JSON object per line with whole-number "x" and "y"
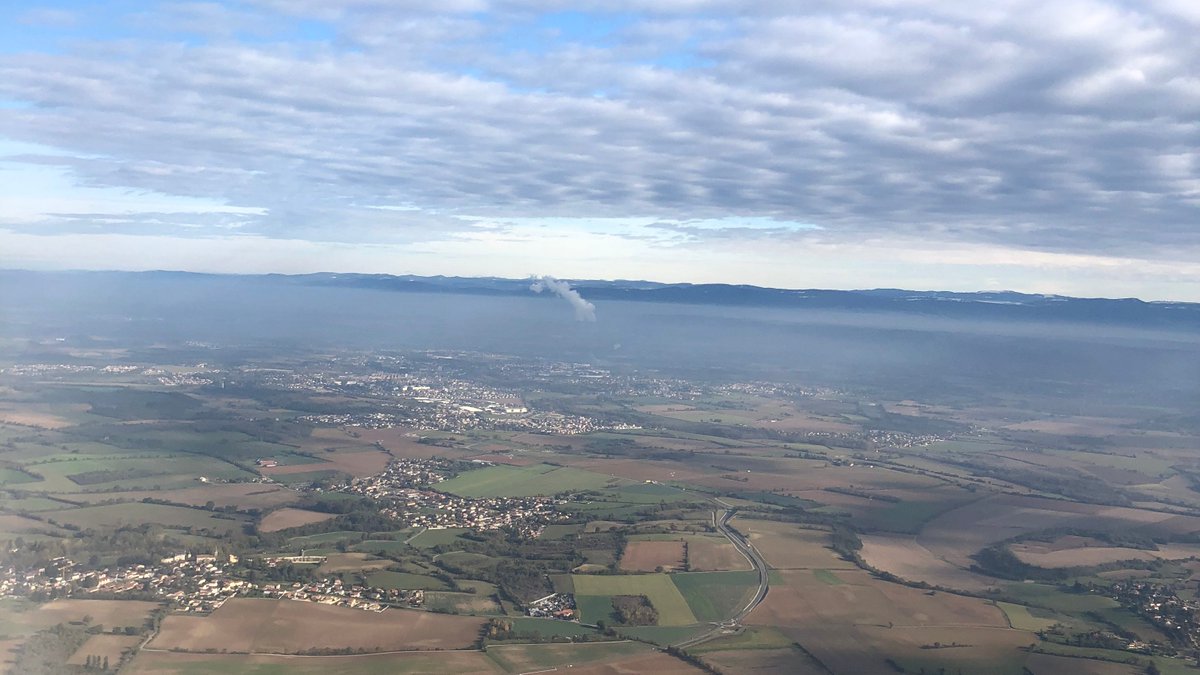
{"x": 1063, "y": 127}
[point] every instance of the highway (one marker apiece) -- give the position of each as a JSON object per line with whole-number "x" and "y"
{"x": 722, "y": 524}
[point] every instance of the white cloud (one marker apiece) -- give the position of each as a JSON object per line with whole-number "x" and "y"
{"x": 1064, "y": 130}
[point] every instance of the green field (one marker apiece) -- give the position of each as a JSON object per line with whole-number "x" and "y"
{"x": 715, "y": 596}
{"x": 1025, "y": 618}
{"x": 660, "y": 635}
{"x": 405, "y": 581}
{"x": 503, "y": 480}
{"x": 385, "y": 546}
{"x": 827, "y": 577}
{"x": 548, "y": 628}
{"x": 12, "y": 477}
{"x": 1050, "y": 597}
{"x": 527, "y": 658}
{"x": 31, "y": 504}
{"x": 431, "y": 538}
{"x": 673, "y": 609}
{"x": 312, "y": 540}
{"x": 117, "y": 515}
{"x": 561, "y": 531}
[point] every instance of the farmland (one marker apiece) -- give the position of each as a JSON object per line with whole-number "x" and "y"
{"x": 283, "y": 519}
{"x": 869, "y": 511}
{"x": 650, "y": 556}
{"x": 288, "y": 627}
{"x": 117, "y": 515}
{"x": 412, "y": 663}
{"x": 525, "y": 481}
{"x": 673, "y": 609}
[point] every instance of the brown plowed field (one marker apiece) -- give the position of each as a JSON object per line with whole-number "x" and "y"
{"x": 648, "y": 556}
{"x": 411, "y": 663}
{"x": 292, "y": 626}
{"x": 288, "y": 517}
{"x": 365, "y": 463}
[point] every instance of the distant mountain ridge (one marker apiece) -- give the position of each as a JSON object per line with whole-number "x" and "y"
{"x": 999, "y": 305}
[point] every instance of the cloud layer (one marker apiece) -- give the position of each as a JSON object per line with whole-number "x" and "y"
{"x": 1065, "y": 128}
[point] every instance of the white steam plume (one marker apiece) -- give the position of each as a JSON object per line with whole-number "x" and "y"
{"x": 584, "y": 310}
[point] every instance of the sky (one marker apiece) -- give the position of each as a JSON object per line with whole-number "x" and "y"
{"x": 925, "y": 144}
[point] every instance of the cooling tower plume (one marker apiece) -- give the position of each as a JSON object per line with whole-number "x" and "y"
{"x": 584, "y": 310}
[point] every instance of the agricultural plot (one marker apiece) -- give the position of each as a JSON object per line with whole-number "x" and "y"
{"x": 1027, "y": 618}
{"x": 504, "y": 480}
{"x": 463, "y": 603}
{"x": 764, "y": 661}
{"x": 1078, "y": 552}
{"x": 357, "y": 464}
{"x": 714, "y": 554}
{"x": 531, "y": 658}
{"x": 651, "y": 556}
{"x": 289, "y": 627}
{"x": 715, "y": 596}
{"x": 23, "y": 618}
{"x": 404, "y": 581}
{"x": 673, "y": 609}
{"x": 557, "y": 531}
{"x": 243, "y": 496}
{"x": 411, "y": 663}
{"x": 286, "y": 518}
{"x": 20, "y": 525}
{"x": 353, "y": 562}
{"x": 789, "y": 546}
{"x": 856, "y": 625}
{"x": 437, "y": 537}
{"x": 134, "y": 514}
{"x": 957, "y": 534}
{"x": 143, "y": 471}
{"x": 1046, "y": 664}
{"x": 904, "y": 557}
{"x": 104, "y": 647}
{"x": 654, "y": 662}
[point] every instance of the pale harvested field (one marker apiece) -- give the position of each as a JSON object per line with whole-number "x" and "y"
{"x": 648, "y": 556}
{"x": 796, "y": 475}
{"x": 112, "y": 646}
{"x": 803, "y": 598}
{"x": 709, "y": 554}
{"x": 412, "y": 663}
{"x": 358, "y": 464}
{"x": 353, "y": 562}
{"x": 955, "y": 535}
{"x": 106, "y": 613}
{"x": 664, "y": 472}
{"x": 1045, "y": 664}
{"x": 1098, "y": 555}
{"x": 904, "y": 557}
{"x": 11, "y": 523}
{"x": 290, "y": 626}
{"x": 33, "y": 418}
{"x": 764, "y": 662}
{"x": 284, "y": 518}
{"x": 400, "y": 444}
{"x": 854, "y": 626}
{"x": 788, "y": 546}
{"x": 7, "y": 655}
{"x": 1074, "y": 426}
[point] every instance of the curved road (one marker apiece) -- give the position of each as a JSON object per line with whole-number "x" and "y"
{"x": 760, "y": 566}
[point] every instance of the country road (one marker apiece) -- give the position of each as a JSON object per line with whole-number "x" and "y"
{"x": 760, "y": 565}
